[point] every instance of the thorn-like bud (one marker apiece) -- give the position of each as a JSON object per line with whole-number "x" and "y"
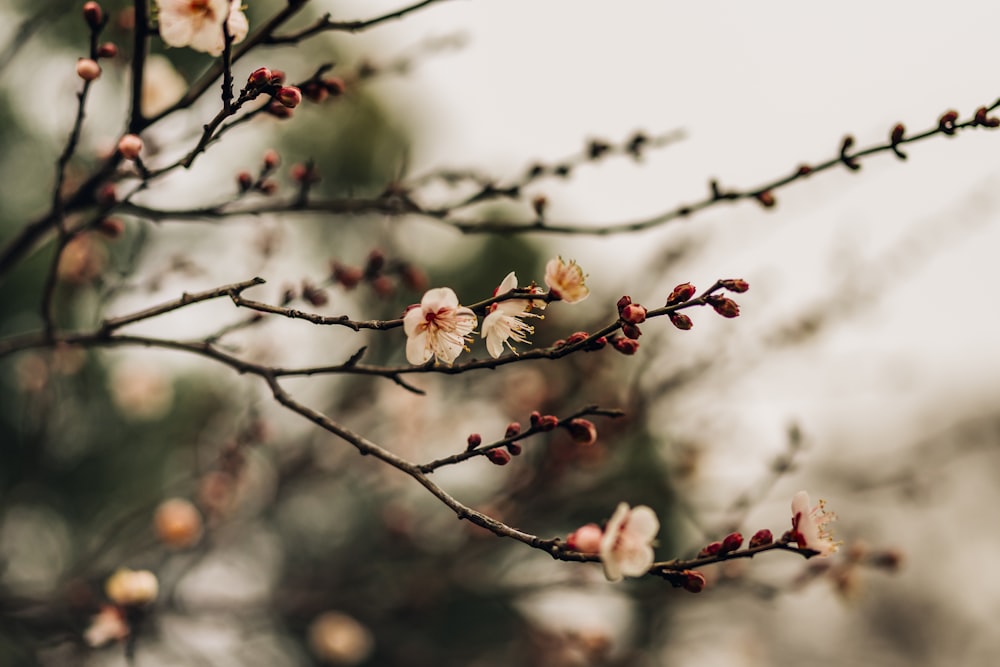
{"x": 681, "y": 321}
{"x": 93, "y": 15}
{"x": 633, "y": 313}
{"x": 626, "y": 346}
{"x": 694, "y": 581}
{"x": 130, "y": 146}
{"x": 498, "y": 456}
{"x": 259, "y": 78}
{"x": 849, "y": 161}
{"x": 631, "y": 330}
{"x": 766, "y": 199}
{"x": 761, "y": 538}
{"x": 244, "y": 180}
{"x": 737, "y": 285}
{"x": 623, "y": 302}
{"x": 107, "y": 50}
{"x": 709, "y": 550}
{"x": 681, "y": 293}
{"x": 946, "y": 123}
{"x": 289, "y": 96}
{"x": 731, "y": 542}
{"x": 513, "y": 428}
{"x": 586, "y": 539}
{"x": 582, "y": 431}
{"x": 87, "y": 69}
{"x": 474, "y": 440}
{"x": 724, "y": 306}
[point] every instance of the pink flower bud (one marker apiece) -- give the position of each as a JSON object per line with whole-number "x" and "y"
{"x": 681, "y": 321}
{"x": 737, "y": 285}
{"x": 633, "y": 313}
{"x": 582, "y": 431}
{"x": 271, "y": 159}
{"x": 535, "y": 418}
{"x": 586, "y": 539}
{"x": 87, "y": 69}
{"x": 474, "y": 441}
{"x": 761, "y": 538}
{"x": 259, "y": 78}
{"x": 731, "y": 542}
{"x": 709, "y": 550}
{"x": 244, "y": 180}
{"x": 303, "y": 173}
{"x": 93, "y": 15}
{"x": 626, "y": 346}
{"x": 513, "y": 428}
{"x": 598, "y": 343}
{"x": 623, "y": 302}
{"x": 289, "y": 96}
{"x": 577, "y": 337}
{"x": 548, "y": 422}
{"x": 130, "y": 146}
{"x": 694, "y": 581}
{"x": 498, "y": 456}
{"x": 107, "y": 50}
{"x": 681, "y": 293}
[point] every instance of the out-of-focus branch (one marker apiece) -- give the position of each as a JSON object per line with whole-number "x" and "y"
{"x": 326, "y": 24}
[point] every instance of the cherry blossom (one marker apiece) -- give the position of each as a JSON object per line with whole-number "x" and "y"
{"x": 566, "y": 280}
{"x": 504, "y": 319}
{"x": 438, "y": 327}
{"x": 627, "y": 544}
{"x": 810, "y": 526}
{"x": 198, "y": 23}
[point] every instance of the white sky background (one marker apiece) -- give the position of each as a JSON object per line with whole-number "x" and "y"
{"x": 760, "y": 88}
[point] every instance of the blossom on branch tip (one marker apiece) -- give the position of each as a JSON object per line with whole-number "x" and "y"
{"x": 627, "y": 543}
{"x": 504, "y": 322}
{"x": 810, "y": 527}
{"x": 198, "y": 23}
{"x": 438, "y": 327}
{"x": 566, "y": 281}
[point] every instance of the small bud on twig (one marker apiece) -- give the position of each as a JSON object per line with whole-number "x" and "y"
{"x": 582, "y": 431}
{"x": 681, "y": 321}
{"x": 88, "y": 69}
{"x": 474, "y": 440}
{"x": 761, "y": 538}
{"x": 498, "y": 456}
{"x": 681, "y": 293}
{"x": 93, "y": 15}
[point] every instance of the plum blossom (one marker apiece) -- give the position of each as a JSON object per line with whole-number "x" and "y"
{"x": 504, "y": 319}
{"x": 198, "y": 23}
{"x": 810, "y": 526}
{"x": 627, "y": 545}
{"x": 566, "y": 280}
{"x": 438, "y": 327}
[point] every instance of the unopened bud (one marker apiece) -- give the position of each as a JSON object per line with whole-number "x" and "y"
{"x": 548, "y": 422}
{"x": 178, "y": 523}
{"x": 259, "y": 78}
{"x": 586, "y": 539}
{"x": 130, "y": 146}
{"x": 731, "y": 542}
{"x": 535, "y": 417}
{"x": 93, "y": 15}
{"x": 598, "y": 343}
{"x": 87, "y": 69}
{"x": 334, "y": 85}
{"x": 694, "y": 581}
{"x": 314, "y": 295}
{"x": 289, "y": 96}
{"x": 897, "y": 133}
{"x": 107, "y": 50}
{"x": 107, "y": 195}
{"x": 132, "y": 587}
{"x": 474, "y": 440}
{"x": 271, "y": 159}
{"x": 577, "y": 337}
{"x": 413, "y": 278}
{"x": 513, "y": 428}
{"x": 623, "y": 303}
{"x": 582, "y": 431}
{"x": 304, "y": 173}
{"x": 737, "y": 285}
{"x": 277, "y": 77}
{"x": 498, "y": 456}
{"x": 383, "y": 286}
{"x": 314, "y": 91}
{"x": 626, "y": 346}
{"x": 890, "y": 560}
{"x": 375, "y": 262}
{"x": 631, "y": 331}
{"x": 681, "y": 321}
{"x": 761, "y": 538}
{"x": 279, "y": 110}
{"x": 634, "y": 313}
{"x": 514, "y": 448}
{"x": 724, "y": 306}
{"x": 709, "y": 550}
{"x": 244, "y": 180}
{"x": 539, "y": 203}
{"x": 348, "y": 276}
{"x": 681, "y": 293}
{"x": 766, "y": 199}
{"x": 946, "y": 123}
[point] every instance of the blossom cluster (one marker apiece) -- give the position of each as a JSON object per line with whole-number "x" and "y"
{"x": 440, "y": 328}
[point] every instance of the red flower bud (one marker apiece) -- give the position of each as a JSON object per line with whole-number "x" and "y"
{"x": 384, "y": 286}
{"x": 277, "y": 77}
{"x": 737, "y": 285}
{"x": 681, "y": 293}
{"x": 897, "y": 133}
{"x": 474, "y": 441}
{"x": 577, "y": 337}
{"x": 334, "y": 86}
{"x": 761, "y": 538}
{"x": 536, "y": 418}
{"x": 514, "y": 448}
{"x": 711, "y": 549}
{"x": 513, "y": 428}
{"x": 107, "y": 50}
{"x": 731, "y": 542}
{"x": 681, "y": 321}
{"x": 586, "y": 539}
{"x": 582, "y": 431}
{"x": 413, "y": 278}
{"x": 694, "y": 581}
{"x": 107, "y": 195}
{"x": 598, "y": 343}
{"x": 244, "y": 180}
{"x": 946, "y": 123}
{"x": 259, "y": 78}
{"x": 539, "y": 203}
{"x": 633, "y": 313}
{"x": 93, "y": 15}
{"x": 766, "y": 199}
{"x": 626, "y": 346}
{"x": 724, "y": 306}
{"x": 375, "y": 262}
{"x": 87, "y": 69}
{"x": 314, "y": 295}
{"x": 498, "y": 456}
{"x": 348, "y": 276}
{"x": 548, "y": 422}
{"x": 631, "y": 331}
{"x": 271, "y": 159}
{"x": 279, "y": 111}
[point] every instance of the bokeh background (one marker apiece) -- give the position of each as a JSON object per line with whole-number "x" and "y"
{"x": 863, "y": 367}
